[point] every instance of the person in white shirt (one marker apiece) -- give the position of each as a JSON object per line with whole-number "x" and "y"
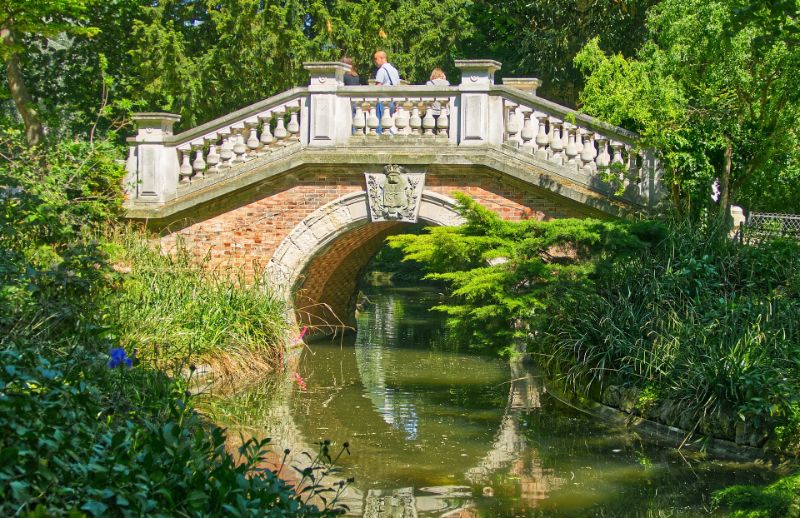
{"x": 386, "y": 75}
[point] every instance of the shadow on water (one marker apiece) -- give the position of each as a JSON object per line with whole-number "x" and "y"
{"x": 437, "y": 432}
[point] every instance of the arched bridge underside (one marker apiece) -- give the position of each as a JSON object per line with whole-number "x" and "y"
{"x": 304, "y": 187}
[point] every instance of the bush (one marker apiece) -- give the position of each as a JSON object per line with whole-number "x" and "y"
{"x": 779, "y": 499}
{"x": 85, "y": 428}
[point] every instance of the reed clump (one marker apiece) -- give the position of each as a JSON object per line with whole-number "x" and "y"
{"x": 174, "y": 306}
{"x": 701, "y": 330}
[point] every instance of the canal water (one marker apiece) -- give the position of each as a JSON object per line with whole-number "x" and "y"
{"x": 435, "y": 431}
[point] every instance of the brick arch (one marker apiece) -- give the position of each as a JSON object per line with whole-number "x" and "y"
{"x": 321, "y": 259}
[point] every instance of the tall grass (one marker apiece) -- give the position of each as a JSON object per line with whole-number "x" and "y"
{"x": 171, "y": 306}
{"x": 699, "y": 320}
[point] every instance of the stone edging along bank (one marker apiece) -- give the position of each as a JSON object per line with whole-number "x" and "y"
{"x": 670, "y": 434}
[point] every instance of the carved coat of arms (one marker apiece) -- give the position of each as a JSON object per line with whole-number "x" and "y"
{"x": 395, "y": 194}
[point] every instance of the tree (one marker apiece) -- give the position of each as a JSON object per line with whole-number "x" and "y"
{"x": 540, "y": 39}
{"x": 19, "y": 18}
{"x": 506, "y": 276}
{"x": 714, "y": 90}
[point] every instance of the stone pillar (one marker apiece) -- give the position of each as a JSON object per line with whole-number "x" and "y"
{"x": 481, "y": 120}
{"x": 152, "y": 165}
{"x": 523, "y": 84}
{"x": 330, "y": 118}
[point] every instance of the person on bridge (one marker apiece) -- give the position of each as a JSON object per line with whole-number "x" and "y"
{"x": 386, "y": 75}
{"x": 437, "y": 79}
{"x": 351, "y": 77}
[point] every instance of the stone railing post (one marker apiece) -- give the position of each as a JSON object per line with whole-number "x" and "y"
{"x": 652, "y": 188}
{"x": 153, "y": 167}
{"x": 330, "y": 117}
{"x": 481, "y": 120}
{"x": 529, "y": 85}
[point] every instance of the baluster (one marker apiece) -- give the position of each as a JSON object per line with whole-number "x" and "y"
{"x": 528, "y": 131}
{"x": 401, "y": 117}
{"x": 541, "y": 138}
{"x": 557, "y": 144}
{"x": 603, "y": 159}
{"x": 266, "y": 134}
{"x": 293, "y": 127}
{"x": 185, "y": 171}
{"x": 572, "y": 147}
{"x": 199, "y": 164}
{"x": 239, "y": 147}
{"x": 443, "y": 122}
{"x": 428, "y": 122}
{"x": 415, "y": 121}
{"x": 617, "y": 158}
{"x": 512, "y": 123}
{"x": 359, "y": 123}
{"x": 132, "y": 163}
{"x": 226, "y": 150}
{"x": 593, "y": 149}
{"x": 372, "y": 119}
{"x": 386, "y": 118}
{"x": 588, "y": 152}
{"x": 252, "y": 140}
{"x": 213, "y": 157}
{"x": 280, "y": 128}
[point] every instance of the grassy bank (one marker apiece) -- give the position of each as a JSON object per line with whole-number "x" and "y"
{"x": 173, "y": 308}
{"x": 95, "y": 331}
{"x": 697, "y": 331}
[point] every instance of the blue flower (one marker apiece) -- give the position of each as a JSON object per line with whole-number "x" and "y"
{"x": 119, "y": 358}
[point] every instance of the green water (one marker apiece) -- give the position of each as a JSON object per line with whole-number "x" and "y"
{"x": 464, "y": 431}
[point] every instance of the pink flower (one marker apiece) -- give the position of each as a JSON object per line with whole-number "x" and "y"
{"x": 299, "y": 339}
{"x": 300, "y": 381}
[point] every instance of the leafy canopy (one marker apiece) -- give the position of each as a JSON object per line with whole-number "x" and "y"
{"x": 714, "y": 89}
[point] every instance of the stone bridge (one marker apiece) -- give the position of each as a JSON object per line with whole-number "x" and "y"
{"x": 306, "y": 185}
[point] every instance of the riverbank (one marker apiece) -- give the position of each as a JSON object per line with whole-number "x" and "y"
{"x": 670, "y": 321}
{"x": 96, "y": 332}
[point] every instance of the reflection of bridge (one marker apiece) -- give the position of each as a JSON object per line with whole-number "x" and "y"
{"x": 282, "y": 181}
{"x": 506, "y": 453}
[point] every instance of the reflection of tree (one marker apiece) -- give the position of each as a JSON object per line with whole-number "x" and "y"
{"x": 395, "y": 407}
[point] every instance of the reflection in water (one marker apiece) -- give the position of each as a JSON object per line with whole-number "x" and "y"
{"x": 441, "y": 433}
{"x": 394, "y": 406}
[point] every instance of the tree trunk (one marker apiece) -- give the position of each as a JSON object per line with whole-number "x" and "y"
{"x": 34, "y": 132}
{"x": 725, "y": 184}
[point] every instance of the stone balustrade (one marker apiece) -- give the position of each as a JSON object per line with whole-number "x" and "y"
{"x": 326, "y": 114}
{"x": 609, "y": 155}
{"x": 255, "y": 136}
{"x": 401, "y": 115}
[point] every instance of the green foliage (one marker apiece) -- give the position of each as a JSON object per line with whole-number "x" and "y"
{"x": 78, "y": 437}
{"x": 540, "y": 39}
{"x": 700, "y": 320}
{"x": 505, "y": 275}
{"x": 205, "y": 59}
{"x": 44, "y": 18}
{"x": 171, "y": 307}
{"x": 781, "y": 498}
{"x": 708, "y": 82}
